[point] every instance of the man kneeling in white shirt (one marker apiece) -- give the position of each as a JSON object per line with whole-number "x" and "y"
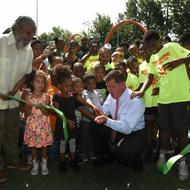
{"x": 127, "y": 121}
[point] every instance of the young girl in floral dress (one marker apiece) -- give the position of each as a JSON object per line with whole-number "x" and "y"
{"x": 38, "y": 134}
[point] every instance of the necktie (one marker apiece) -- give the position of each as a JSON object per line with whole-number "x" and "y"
{"x": 114, "y": 133}
{"x": 116, "y": 109}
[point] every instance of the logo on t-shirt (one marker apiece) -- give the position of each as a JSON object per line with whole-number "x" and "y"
{"x": 162, "y": 58}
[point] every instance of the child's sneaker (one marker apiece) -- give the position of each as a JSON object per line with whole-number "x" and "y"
{"x": 183, "y": 172}
{"x": 44, "y": 169}
{"x": 62, "y": 166}
{"x": 35, "y": 167}
{"x": 74, "y": 165}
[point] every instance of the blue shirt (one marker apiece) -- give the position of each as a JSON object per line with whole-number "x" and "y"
{"x": 130, "y": 115}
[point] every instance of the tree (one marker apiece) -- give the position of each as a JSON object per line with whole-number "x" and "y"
{"x": 180, "y": 16}
{"x": 165, "y": 16}
{"x": 147, "y": 12}
{"x": 56, "y": 32}
{"x": 101, "y": 26}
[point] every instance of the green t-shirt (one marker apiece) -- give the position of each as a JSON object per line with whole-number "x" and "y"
{"x": 113, "y": 65}
{"x": 89, "y": 63}
{"x": 174, "y": 84}
{"x": 108, "y": 66}
{"x": 149, "y": 100}
{"x": 132, "y": 81}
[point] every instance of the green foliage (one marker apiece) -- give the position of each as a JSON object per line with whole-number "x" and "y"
{"x": 56, "y": 32}
{"x": 165, "y": 16}
{"x": 147, "y": 12}
{"x": 180, "y": 16}
{"x": 100, "y": 28}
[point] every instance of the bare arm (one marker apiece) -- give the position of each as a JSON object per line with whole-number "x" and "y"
{"x": 86, "y": 113}
{"x": 88, "y": 104}
{"x": 44, "y": 111}
{"x": 85, "y": 58}
{"x": 173, "y": 64}
{"x": 188, "y": 69}
{"x": 27, "y": 107}
{"x": 146, "y": 85}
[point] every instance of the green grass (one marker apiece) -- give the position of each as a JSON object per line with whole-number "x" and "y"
{"x": 111, "y": 176}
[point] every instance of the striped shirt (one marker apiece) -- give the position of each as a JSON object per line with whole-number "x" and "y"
{"x": 14, "y": 64}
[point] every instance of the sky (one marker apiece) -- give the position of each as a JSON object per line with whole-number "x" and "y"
{"x": 73, "y": 15}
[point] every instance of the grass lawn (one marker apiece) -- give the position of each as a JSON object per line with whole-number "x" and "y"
{"x": 109, "y": 177}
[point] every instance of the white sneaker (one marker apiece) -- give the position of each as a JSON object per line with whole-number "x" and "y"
{"x": 35, "y": 168}
{"x": 161, "y": 159}
{"x": 183, "y": 172}
{"x": 44, "y": 169}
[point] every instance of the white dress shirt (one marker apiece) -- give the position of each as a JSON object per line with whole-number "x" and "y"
{"x": 93, "y": 98}
{"x": 130, "y": 115}
{"x": 14, "y": 64}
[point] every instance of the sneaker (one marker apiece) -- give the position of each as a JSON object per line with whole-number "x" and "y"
{"x": 44, "y": 169}
{"x": 3, "y": 177}
{"x": 183, "y": 172}
{"x": 74, "y": 165}
{"x": 20, "y": 165}
{"x": 161, "y": 160}
{"x": 35, "y": 168}
{"x": 92, "y": 155}
{"x": 62, "y": 166}
{"x": 84, "y": 157}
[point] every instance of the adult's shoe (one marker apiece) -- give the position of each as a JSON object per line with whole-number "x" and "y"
{"x": 3, "y": 177}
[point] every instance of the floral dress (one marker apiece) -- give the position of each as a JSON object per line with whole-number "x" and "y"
{"x": 38, "y": 132}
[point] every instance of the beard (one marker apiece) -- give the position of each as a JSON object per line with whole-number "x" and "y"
{"x": 19, "y": 43}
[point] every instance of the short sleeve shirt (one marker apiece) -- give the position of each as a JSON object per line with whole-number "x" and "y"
{"x": 149, "y": 100}
{"x": 174, "y": 84}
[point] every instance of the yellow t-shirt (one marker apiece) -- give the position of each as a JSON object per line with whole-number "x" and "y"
{"x": 89, "y": 63}
{"x": 140, "y": 60}
{"x": 132, "y": 81}
{"x": 174, "y": 84}
{"x": 108, "y": 66}
{"x": 149, "y": 100}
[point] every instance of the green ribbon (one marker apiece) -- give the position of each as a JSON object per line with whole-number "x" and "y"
{"x": 164, "y": 169}
{"x": 50, "y": 108}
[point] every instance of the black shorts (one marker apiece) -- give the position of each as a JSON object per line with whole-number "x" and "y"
{"x": 151, "y": 113}
{"x": 174, "y": 116}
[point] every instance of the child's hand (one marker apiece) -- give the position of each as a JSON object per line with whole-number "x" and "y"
{"x": 102, "y": 119}
{"x": 28, "y": 104}
{"x": 155, "y": 91}
{"x": 71, "y": 124}
{"x": 97, "y": 111}
{"x": 5, "y": 96}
